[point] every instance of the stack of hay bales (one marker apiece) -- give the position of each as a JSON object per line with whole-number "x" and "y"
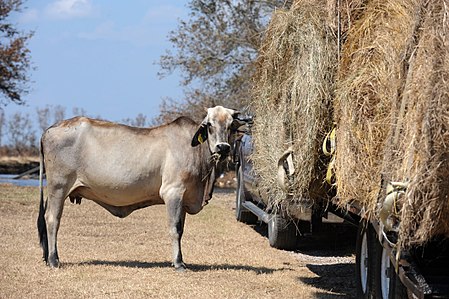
{"x": 292, "y": 100}
{"x": 387, "y": 95}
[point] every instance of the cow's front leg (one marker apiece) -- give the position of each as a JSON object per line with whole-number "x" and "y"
{"x": 176, "y": 217}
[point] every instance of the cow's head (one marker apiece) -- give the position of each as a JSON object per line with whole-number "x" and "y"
{"x": 215, "y": 128}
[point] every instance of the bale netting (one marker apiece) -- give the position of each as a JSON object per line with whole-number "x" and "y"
{"x": 292, "y": 93}
{"x": 419, "y": 141}
{"x": 370, "y": 80}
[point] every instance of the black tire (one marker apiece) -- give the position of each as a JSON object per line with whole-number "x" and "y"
{"x": 242, "y": 214}
{"x": 387, "y": 283}
{"x": 399, "y": 290}
{"x": 281, "y": 233}
{"x": 364, "y": 260}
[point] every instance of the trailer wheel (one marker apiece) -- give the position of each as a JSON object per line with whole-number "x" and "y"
{"x": 242, "y": 214}
{"x": 281, "y": 233}
{"x": 365, "y": 253}
{"x": 388, "y": 285}
{"x": 385, "y": 272}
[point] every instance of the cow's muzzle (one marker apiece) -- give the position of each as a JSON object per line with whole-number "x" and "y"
{"x": 223, "y": 149}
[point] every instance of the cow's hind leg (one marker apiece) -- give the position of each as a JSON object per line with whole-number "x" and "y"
{"x": 176, "y": 217}
{"x": 55, "y": 205}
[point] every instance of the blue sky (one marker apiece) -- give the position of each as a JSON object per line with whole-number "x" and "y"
{"x": 99, "y": 55}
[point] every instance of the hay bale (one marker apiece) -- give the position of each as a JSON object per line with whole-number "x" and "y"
{"x": 370, "y": 78}
{"x": 418, "y": 145}
{"x": 292, "y": 93}
{"x": 392, "y": 113}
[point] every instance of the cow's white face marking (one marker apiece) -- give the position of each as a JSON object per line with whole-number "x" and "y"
{"x": 216, "y": 128}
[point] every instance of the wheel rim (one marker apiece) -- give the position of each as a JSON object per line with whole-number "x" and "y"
{"x": 364, "y": 264}
{"x": 384, "y": 274}
{"x": 272, "y": 223}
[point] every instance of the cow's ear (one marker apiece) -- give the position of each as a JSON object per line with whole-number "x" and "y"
{"x": 200, "y": 135}
{"x": 236, "y": 124}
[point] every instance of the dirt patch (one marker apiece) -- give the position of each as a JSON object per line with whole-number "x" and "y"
{"x": 106, "y": 257}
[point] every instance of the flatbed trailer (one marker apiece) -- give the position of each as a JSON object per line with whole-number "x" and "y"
{"x": 284, "y": 227}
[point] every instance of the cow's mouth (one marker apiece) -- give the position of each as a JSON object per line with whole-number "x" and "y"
{"x": 218, "y": 157}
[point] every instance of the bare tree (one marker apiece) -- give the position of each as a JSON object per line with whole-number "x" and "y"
{"x": 79, "y": 111}
{"x": 50, "y": 115}
{"x": 139, "y": 121}
{"x": 58, "y": 113}
{"x": 215, "y": 53}
{"x": 21, "y": 133}
{"x": 43, "y": 115}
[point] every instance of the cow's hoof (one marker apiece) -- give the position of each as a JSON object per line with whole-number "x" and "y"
{"x": 53, "y": 263}
{"x": 181, "y": 268}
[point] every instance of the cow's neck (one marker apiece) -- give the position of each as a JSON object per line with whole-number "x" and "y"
{"x": 209, "y": 187}
{"x": 210, "y": 178}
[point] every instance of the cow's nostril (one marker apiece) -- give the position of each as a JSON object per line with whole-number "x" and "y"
{"x": 223, "y": 148}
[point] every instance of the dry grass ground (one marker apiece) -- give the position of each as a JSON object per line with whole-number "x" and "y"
{"x": 106, "y": 257}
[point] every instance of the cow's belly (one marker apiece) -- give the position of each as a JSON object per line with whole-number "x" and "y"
{"x": 119, "y": 192}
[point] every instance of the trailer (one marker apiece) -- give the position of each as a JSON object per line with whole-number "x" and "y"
{"x": 285, "y": 225}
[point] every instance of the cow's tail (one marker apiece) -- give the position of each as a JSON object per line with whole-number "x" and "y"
{"x": 41, "y": 224}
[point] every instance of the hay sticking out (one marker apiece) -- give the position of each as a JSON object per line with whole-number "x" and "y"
{"x": 292, "y": 94}
{"x": 370, "y": 80}
{"x": 420, "y": 138}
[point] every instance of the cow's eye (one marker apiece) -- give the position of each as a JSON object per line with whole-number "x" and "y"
{"x": 210, "y": 127}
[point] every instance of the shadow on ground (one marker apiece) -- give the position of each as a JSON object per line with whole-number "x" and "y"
{"x": 332, "y": 240}
{"x": 190, "y": 267}
{"x": 335, "y": 278}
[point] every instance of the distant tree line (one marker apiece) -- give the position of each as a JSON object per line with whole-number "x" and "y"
{"x": 20, "y": 132}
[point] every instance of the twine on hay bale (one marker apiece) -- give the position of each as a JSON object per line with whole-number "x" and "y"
{"x": 292, "y": 97}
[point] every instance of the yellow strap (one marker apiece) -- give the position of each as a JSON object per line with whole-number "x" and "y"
{"x": 330, "y": 171}
{"x": 330, "y": 138}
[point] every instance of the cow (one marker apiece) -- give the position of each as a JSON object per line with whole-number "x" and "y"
{"x": 124, "y": 168}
